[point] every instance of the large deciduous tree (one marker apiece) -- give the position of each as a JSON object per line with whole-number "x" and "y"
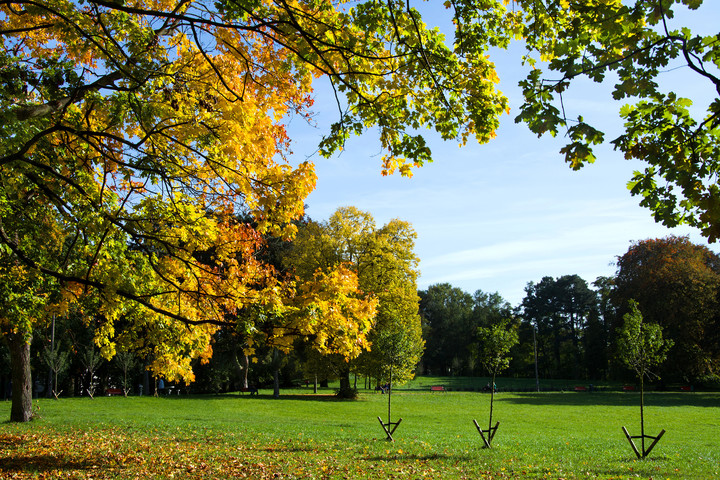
{"x": 675, "y": 284}
{"x": 155, "y": 123}
{"x": 390, "y": 273}
{"x": 144, "y": 130}
{"x": 386, "y": 267}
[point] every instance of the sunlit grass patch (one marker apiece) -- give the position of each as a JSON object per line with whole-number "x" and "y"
{"x": 570, "y": 435}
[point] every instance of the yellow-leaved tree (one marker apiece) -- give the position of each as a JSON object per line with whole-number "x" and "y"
{"x": 384, "y": 261}
{"x": 143, "y": 132}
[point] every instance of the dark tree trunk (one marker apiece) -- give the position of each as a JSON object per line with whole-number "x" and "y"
{"x": 276, "y": 376}
{"x": 21, "y": 409}
{"x": 346, "y": 391}
{"x": 276, "y": 383}
{"x": 146, "y": 383}
{"x": 345, "y": 381}
{"x": 556, "y": 347}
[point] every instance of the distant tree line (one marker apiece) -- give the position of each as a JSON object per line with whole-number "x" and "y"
{"x": 565, "y": 325}
{"x": 573, "y": 325}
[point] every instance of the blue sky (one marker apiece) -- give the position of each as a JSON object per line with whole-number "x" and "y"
{"x": 497, "y": 216}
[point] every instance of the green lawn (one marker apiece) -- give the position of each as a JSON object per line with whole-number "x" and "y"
{"x": 547, "y": 435}
{"x": 476, "y": 384}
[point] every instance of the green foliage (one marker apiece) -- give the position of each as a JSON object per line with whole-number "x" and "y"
{"x": 633, "y": 43}
{"x": 560, "y": 308}
{"x": 451, "y": 318}
{"x": 447, "y": 328}
{"x": 641, "y": 345}
{"x": 495, "y": 343}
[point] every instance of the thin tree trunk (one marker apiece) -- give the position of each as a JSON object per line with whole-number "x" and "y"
{"x": 492, "y": 397}
{"x": 50, "y": 389}
{"x": 276, "y": 383}
{"x": 389, "y": 393}
{"x": 642, "y": 413}
{"x": 21, "y": 410}
{"x": 537, "y": 374}
{"x": 242, "y": 369}
{"x": 276, "y": 378}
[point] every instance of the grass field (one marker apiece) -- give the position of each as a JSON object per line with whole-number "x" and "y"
{"x": 464, "y": 384}
{"x": 547, "y": 435}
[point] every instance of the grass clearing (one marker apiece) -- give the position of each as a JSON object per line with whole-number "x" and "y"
{"x": 547, "y": 435}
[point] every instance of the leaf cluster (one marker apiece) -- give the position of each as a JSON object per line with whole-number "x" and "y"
{"x": 495, "y": 342}
{"x": 632, "y": 44}
{"x": 640, "y": 344}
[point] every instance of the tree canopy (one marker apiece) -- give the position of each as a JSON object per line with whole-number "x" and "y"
{"x": 559, "y": 309}
{"x": 632, "y": 44}
{"x": 386, "y": 267}
{"x": 641, "y": 345}
{"x": 145, "y": 130}
{"x": 675, "y": 284}
{"x": 145, "y": 133}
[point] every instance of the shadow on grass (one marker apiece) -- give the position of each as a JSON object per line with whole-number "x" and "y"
{"x": 309, "y": 397}
{"x": 646, "y": 460}
{"x": 46, "y": 463}
{"x": 41, "y": 462}
{"x": 320, "y": 397}
{"x": 416, "y": 457}
{"x": 289, "y": 449}
{"x": 657, "y": 399}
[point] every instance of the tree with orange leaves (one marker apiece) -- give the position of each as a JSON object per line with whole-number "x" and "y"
{"x": 675, "y": 284}
{"x": 141, "y": 132}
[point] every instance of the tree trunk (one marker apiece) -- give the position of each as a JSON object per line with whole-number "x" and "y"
{"x": 345, "y": 390}
{"x": 276, "y": 383}
{"x": 345, "y": 381}
{"x": 642, "y": 411}
{"x": 242, "y": 369}
{"x": 21, "y": 409}
{"x": 146, "y": 382}
{"x": 276, "y": 376}
{"x": 492, "y": 398}
{"x": 246, "y": 369}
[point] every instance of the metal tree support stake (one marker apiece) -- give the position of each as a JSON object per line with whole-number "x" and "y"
{"x": 642, "y": 453}
{"x": 490, "y": 430}
{"x": 390, "y": 426}
{"x": 490, "y": 433}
